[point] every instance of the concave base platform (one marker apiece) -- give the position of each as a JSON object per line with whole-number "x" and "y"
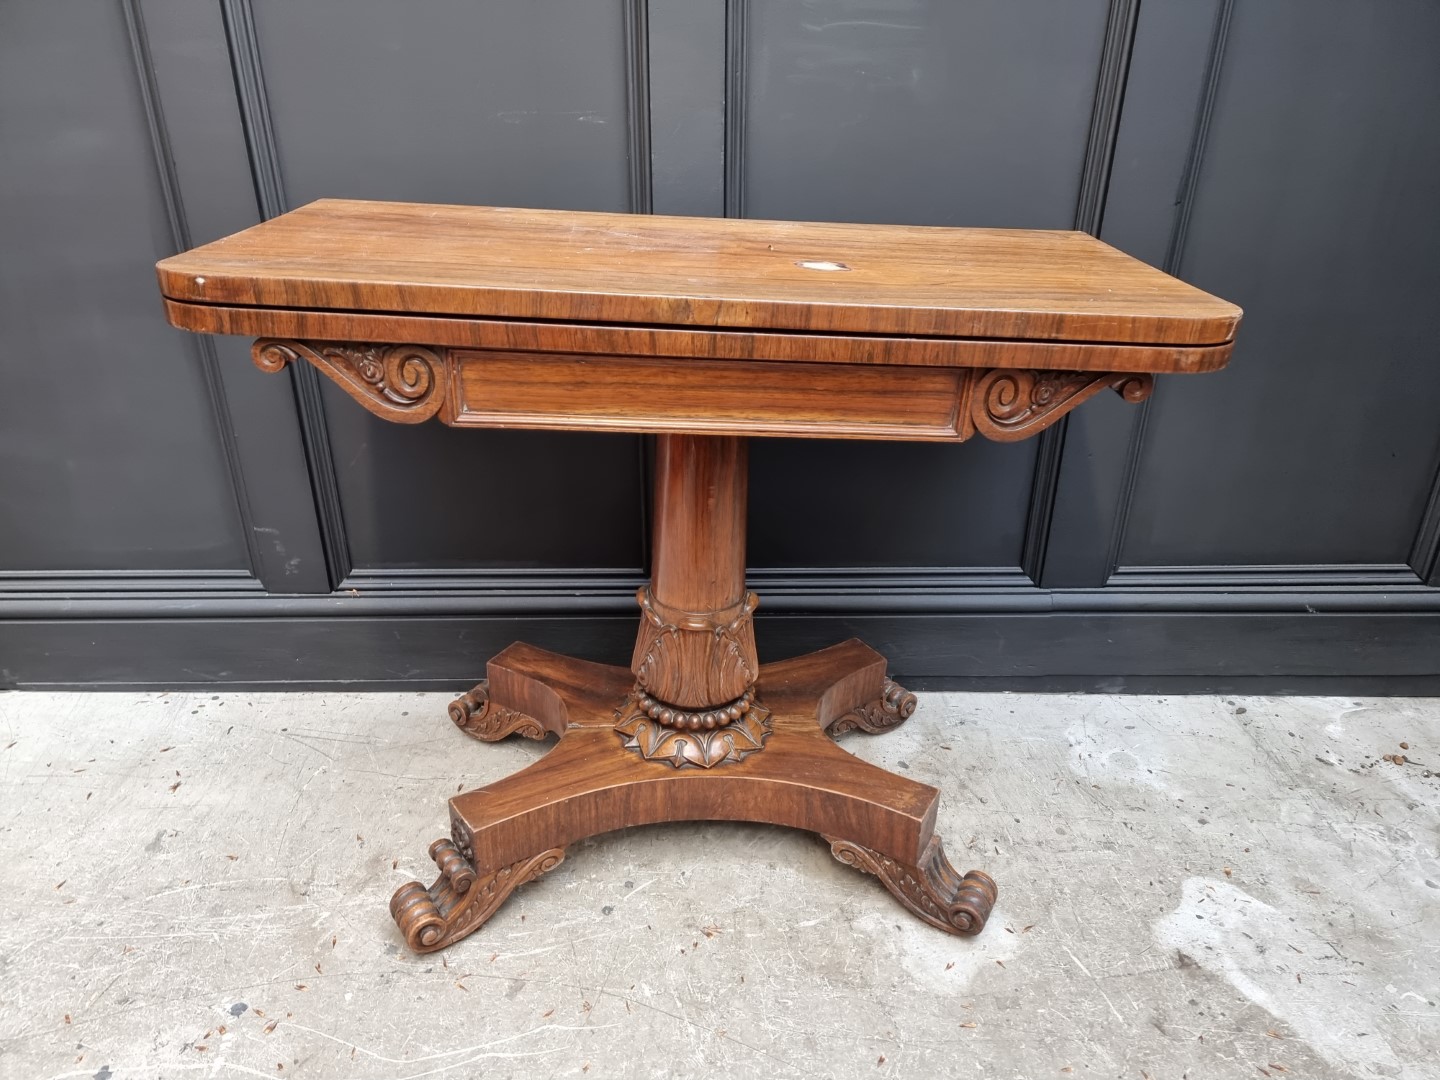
{"x": 595, "y": 780}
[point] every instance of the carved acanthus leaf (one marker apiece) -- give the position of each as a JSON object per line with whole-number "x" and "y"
{"x": 1011, "y": 404}
{"x": 695, "y": 659}
{"x": 677, "y": 747}
{"x": 405, "y": 383}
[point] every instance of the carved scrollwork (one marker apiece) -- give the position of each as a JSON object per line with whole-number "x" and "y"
{"x": 892, "y": 708}
{"x": 933, "y": 889}
{"x": 1132, "y": 387}
{"x": 405, "y": 383}
{"x": 695, "y": 659}
{"x": 476, "y": 715}
{"x": 656, "y": 741}
{"x": 460, "y": 901}
{"x": 1011, "y": 404}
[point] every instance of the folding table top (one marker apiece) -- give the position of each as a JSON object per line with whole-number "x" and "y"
{"x": 491, "y": 317}
{"x": 339, "y": 255}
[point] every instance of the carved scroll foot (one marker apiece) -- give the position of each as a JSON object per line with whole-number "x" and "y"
{"x": 478, "y": 716}
{"x": 892, "y": 708}
{"x": 933, "y": 890}
{"x": 460, "y": 901}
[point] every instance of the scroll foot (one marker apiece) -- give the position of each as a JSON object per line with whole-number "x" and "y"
{"x": 892, "y": 708}
{"x": 478, "y": 716}
{"x": 933, "y": 890}
{"x": 460, "y": 901}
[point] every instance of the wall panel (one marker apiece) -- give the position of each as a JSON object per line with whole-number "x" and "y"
{"x": 110, "y": 458}
{"x": 1315, "y": 210}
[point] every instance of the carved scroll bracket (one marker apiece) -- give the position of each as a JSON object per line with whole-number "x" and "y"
{"x": 1010, "y": 404}
{"x": 404, "y": 383}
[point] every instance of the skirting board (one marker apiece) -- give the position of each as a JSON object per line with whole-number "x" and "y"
{"x": 1134, "y": 652}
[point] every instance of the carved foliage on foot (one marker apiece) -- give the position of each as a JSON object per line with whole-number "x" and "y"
{"x": 656, "y": 741}
{"x": 892, "y": 708}
{"x": 933, "y": 890}
{"x": 404, "y": 383}
{"x": 475, "y": 714}
{"x": 460, "y": 901}
{"x": 1010, "y": 404}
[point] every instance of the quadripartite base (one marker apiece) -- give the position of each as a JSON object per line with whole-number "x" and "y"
{"x": 593, "y": 781}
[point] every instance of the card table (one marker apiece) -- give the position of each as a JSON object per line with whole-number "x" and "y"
{"x": 702, "y": 332}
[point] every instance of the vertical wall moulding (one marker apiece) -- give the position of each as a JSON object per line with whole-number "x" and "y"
{"x": 1174, "y": 254}
{"x": 736, "y": 87}
{"x": 1425, "y": 555}
{"x": 637, "y": 102}
{"x": 642, "y": 193}
{"x": 203, "y": 344}
{"x": 1114, "y": 69}
{"x": 254, "y": 104}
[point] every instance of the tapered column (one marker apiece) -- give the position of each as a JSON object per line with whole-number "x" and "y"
{"x": 695, "y": 664}
{"x": 700, "y": 492}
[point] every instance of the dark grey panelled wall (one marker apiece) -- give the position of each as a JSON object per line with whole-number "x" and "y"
{"x": 170, "y": 516}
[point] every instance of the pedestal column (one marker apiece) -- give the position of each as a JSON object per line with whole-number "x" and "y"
{"x": 695, "y": 663}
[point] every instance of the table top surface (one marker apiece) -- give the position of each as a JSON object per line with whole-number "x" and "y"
{"x": 339, "y": 255}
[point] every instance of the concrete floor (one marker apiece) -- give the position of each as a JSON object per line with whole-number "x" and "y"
{"x": 196, "y": 885}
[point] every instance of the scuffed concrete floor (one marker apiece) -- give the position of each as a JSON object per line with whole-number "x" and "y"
{"x": 196, "y": 885}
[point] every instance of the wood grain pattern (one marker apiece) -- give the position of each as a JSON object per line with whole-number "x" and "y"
{"x": 408, "y": 258}
{"x": 679, "y": 343}
{"x": 700, "y": 396}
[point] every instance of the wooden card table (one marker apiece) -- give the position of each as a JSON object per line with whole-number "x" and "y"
{"x": 703, "y": 332}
